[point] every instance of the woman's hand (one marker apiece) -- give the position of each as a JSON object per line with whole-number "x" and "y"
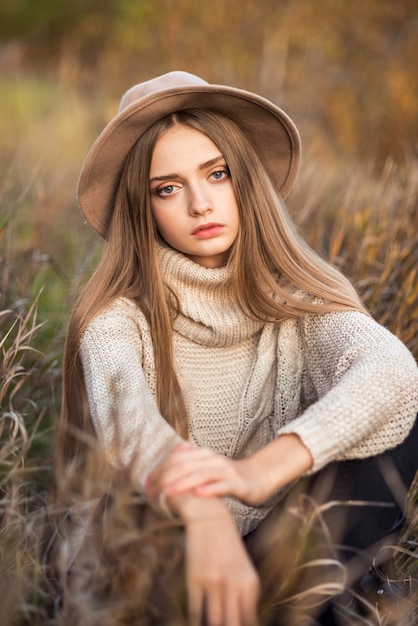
{"x": 222, "y": 582}
{"x": 251, "y": 480}
{"x": 207, "y": 473}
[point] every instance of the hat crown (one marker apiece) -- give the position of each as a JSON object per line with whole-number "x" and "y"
{"x": 171, "y": 80}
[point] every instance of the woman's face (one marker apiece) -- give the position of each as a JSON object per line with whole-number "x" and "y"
{"x": 192, "y": 198}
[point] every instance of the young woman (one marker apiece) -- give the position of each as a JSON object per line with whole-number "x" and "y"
{"x": 218, "y": 356}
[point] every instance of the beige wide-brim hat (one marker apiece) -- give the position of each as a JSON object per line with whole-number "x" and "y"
{"x": 271, "y": 131}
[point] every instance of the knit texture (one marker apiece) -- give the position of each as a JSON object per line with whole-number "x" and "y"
{"x": 340, "y": 381}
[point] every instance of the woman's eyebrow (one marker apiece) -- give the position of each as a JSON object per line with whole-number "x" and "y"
{"x": 202, "y": 166}
{"x": 165, "y": 177}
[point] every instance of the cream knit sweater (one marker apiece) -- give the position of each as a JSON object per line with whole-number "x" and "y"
{"x": 342, "y": 382}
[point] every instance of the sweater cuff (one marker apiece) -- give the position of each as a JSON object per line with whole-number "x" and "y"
{"x": 321, "y": 448}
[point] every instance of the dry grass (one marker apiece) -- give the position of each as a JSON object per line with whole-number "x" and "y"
{"x": 364, "y": 221}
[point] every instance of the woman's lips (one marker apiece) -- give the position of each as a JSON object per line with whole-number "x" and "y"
{"x": 205, "y": 231}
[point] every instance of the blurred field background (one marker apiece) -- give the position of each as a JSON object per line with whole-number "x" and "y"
{"x": 345, "y": 71}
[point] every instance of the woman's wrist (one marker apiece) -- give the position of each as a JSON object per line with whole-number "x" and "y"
{"x": 193, "y": 509}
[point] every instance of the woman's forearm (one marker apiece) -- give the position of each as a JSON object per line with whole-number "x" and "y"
{"x": 278, "y": 463}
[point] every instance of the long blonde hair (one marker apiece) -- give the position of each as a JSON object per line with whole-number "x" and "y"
{"x": 268, "y": 263}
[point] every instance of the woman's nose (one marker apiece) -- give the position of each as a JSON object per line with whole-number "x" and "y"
{"x": 199, "y": 201}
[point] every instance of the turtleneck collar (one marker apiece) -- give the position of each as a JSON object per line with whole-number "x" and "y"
{"x": 208, "y": 312}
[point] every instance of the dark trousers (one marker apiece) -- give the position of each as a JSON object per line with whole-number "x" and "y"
{"x": 381, "y": 483}
{"x": 362, "y": 505}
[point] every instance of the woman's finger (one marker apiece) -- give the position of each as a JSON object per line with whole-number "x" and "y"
{"x": 158, "y": 475}
{"x": 179, "y": 460}
{"x": 193, "y": 480}
{"x": 180, "y": 473}
{"x": 232, "y": 609}
{"x": 214, "y": 606}
{"x": 196, "y": 605}
{"x": 217, "y": 488}
{"x": 248, "y": 605}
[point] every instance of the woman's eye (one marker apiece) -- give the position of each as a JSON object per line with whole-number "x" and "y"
{"x": 167, "y": 190}
{"x": 220, "y": 174}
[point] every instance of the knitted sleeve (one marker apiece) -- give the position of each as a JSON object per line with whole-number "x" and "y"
{"x": 366, "y": 382}
{"x": 123, "y": 409}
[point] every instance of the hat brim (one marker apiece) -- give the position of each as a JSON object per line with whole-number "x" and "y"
{"x": 270, "y": 130}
